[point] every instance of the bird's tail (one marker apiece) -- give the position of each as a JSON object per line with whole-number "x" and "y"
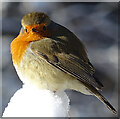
{"x": 100, "y": 97}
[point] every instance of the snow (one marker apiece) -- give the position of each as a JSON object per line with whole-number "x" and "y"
{"x": 33, "y": 102}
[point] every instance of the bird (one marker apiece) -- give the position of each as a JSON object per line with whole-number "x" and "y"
{"x": 49, "y": 56}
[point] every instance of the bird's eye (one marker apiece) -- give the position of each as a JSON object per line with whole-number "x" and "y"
{"x": 44, "y": 28}
{"x": 26, "y": 30}
{"x": 34, "y": 30}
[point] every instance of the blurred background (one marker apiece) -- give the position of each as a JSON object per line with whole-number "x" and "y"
{"x": 95, "y": 24}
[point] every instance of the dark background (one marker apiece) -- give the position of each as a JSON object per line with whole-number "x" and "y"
{"x": 95, "y": 24}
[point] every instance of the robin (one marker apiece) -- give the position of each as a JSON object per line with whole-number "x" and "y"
{"x": 49, "y": 56}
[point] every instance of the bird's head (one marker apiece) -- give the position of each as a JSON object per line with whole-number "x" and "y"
{"x": 34, "y": 28}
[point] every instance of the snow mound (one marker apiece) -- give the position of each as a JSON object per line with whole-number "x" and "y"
{"x": 33, "y": 102}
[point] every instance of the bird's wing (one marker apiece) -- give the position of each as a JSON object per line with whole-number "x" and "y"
{"x": 67, "y": 63}
{"x": 72, "y": 66}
